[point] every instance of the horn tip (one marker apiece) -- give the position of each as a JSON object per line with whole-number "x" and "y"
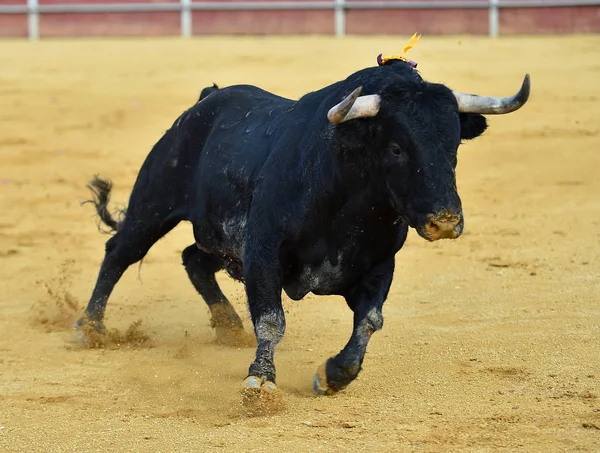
{"x": 333, "y": 117}
{"x": 526, "y": 88}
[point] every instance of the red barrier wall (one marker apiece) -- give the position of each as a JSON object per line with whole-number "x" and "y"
{"x": 109, "y": 24}
{"x": 13, "y": 24}
{"x": 364, "y": 21}
{"x": 426, "y": 21}
{"x": 263, "y": 22}
{"x": 575, "y": 19}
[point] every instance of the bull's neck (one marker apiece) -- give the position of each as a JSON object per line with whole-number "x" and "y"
{"x": 331, "y": 181}
{"x": 331, "y": 173}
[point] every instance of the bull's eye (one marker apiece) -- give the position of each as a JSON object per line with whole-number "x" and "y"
{"x": 396, "y": 151}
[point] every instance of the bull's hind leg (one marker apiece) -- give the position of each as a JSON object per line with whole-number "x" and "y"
{"x": 125, "y": 248}
{"x": 148, "y": 218}
{"x": 366, "y": 300}
{"x": 201, "y": 268}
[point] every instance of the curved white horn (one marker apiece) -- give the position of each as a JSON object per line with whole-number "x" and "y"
{"x": 354, "y": 106}
{"x": 472, "y": 103}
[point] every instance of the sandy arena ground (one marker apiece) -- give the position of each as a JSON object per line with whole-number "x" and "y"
{"x": 491, "y": 342}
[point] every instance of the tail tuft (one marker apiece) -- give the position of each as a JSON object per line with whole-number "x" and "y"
{"x": 100, "y": 189}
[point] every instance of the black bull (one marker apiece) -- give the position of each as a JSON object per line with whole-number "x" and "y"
{"x": 315, "y": 195}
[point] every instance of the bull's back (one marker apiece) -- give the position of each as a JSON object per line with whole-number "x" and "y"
{"x": 244, "y": 120}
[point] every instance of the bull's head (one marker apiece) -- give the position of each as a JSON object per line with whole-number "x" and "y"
{"x": 413, "y": 140}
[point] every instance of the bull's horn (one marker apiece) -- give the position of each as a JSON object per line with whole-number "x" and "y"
{"x": 354, "y": 106}
{"x": 472, "y": 103}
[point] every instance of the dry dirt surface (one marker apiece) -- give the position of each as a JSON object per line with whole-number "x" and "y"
{"x": 491, "y": 342}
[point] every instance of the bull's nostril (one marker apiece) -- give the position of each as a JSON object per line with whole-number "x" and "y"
{"x": 443, "y": 225}
{"x": 433, "y": 226}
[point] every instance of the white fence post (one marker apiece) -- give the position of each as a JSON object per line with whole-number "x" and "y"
{"x": 33, "y": 19}
{"x": 494, "y": 19}
{"x": 339, "y": 17}
{"x": 186, "y": 18}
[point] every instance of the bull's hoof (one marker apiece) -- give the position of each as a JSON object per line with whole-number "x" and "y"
{"x": 89, "y": 333}
{"x": 228, "y": 327}
{"x": 260, "y": 396}
{"x": 85, "y": 322}
{"x": 329, "y": 379}
{"x": 320, "y": 385}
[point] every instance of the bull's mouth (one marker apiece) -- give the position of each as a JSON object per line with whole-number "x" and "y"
{"x": 444, "y": 225}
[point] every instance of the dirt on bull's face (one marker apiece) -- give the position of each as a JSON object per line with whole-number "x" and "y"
{"x": 489, "y": 342}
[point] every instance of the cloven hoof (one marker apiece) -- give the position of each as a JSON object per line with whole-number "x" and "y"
{"x": 260, "y": 396}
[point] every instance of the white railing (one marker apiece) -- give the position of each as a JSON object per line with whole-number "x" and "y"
{"x": 339, "y": 7}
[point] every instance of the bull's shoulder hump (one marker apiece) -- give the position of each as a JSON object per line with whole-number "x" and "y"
{"x": 252, "y": 92}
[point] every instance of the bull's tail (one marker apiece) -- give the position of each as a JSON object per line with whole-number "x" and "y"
{"x": 100, "y": 189}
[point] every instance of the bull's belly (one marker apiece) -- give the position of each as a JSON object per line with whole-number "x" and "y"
{"x": 227, "y": 240}
{"x": 322, "y": 280}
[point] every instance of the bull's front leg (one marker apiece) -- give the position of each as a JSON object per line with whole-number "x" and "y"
{"x": 366, "y": 299}
{"x": 262, "y": 276}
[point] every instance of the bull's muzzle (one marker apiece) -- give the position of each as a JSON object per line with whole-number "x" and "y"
{"x": 443, "y": 225}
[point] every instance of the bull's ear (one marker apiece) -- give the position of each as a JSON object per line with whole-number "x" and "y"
{"x": 472, "y": 125}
